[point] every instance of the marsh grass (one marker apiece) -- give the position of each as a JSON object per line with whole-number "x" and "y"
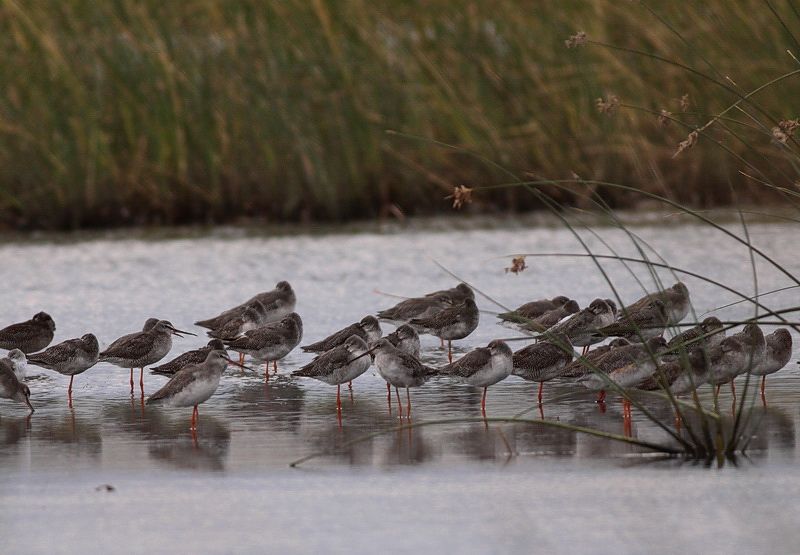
{"x": 137, "y": 111}
{"x": 703, "y": 433}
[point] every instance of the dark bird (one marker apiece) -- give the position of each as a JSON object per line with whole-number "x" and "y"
{"x": 368, "y": 329}
{"x": 279, "y": 302}
{"x": 29, "y": 336}
{"x": 638, "y": 324}
{"x": 454, "y": 322}
{"x": 543, "y": 361}
{"x": 195, "y": 356}
{"x": 676, "y": 302}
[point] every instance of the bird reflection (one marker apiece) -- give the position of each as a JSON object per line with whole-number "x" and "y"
{"x": 206, "y": 449}
{"x": 281, "y": 402}
{"x": 83, "y": 433}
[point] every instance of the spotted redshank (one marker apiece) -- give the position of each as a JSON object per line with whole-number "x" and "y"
{"x": 454, "y": 322}
{"x": 29, "y": 336}
{"x": 271, "y": 342}
{"x": 195, "y": 356}
{"x": 543, "y": 361}
{"x": 279, "y": 302}
{"x": 482, "y": 367}
{"x": 69, "y": 358}
{"x": 368, "y": 329}
{"x": 12, "y": 388}
{"x": 400, "y": 369}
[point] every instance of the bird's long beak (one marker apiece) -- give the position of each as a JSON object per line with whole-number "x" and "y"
{"x": 178, "y": 332}
{"x": 235, "y": 363}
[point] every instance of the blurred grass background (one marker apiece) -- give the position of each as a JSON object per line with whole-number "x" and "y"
{"x": 131, "y": 112}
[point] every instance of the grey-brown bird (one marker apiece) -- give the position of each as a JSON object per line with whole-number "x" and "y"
{"x": 12, "y": 388}
{"x": 543, "y": 361}
{"x": 148, "y": 325}
{"x": 400, "y": 369}
{"x": 582, "y": 366}
{"x": 271, "y": 342}
{"x": 482, "y": 367}
{"x": 454, "y": 322}
{"x": 368, "y": 329}
{"x": 456, "y": 294}
{"x": 676, "y": 302}
{"x": 69, "y": 358}
{"x": 341, "y": 364}
{"x": 582, "y": 326}
{"x": 638, "y": 324}
{"x": 776, "y": 355}
{"x": 278, "y": 303}
{"x": 195, "y": 356}
{"x": 248, "y": 320}
{"x": 534, "y": 309}
{"x": 194, "y": 384}
{"x": 142, "y": 349}
{"x": 706, "y": 334}
{"x": 29, "y": 336}
{"x": 417, "y": 307}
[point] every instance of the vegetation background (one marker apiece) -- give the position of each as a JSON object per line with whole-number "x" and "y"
{"x": 133, "y": 112}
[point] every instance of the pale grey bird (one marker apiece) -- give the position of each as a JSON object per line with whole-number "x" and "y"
{"x": 18, "y": 362}
{"x": 142, "y": 348}
{"x": 279, "y": 303}
{"x": 194, "y": 384}
{"x": 29, "y": 336}
{"x": 543, "y": 361}
{"x": 777, "y": 353}
{"x": 736, "y": 354}
{"x": 341, "y": 364}
{"x": 69, "y": 358}
{"x": 454, "y": 322}
{"x": 271, "y": 342}
{"x": 195, "y": 356}
{"x": 368, "y": 329}
{"x": 482, "y": 367}
{"x": 406, "y": 339}
{"x": 676, "y": 302}
{"x": 400, "y": 369}
{"x": 12, "y": 388}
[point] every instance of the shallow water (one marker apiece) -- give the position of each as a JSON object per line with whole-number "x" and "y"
{"x": 474, "y": 487}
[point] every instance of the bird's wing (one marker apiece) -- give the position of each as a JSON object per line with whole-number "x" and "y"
{"x": 326, "y": 363}
{"x": 179, "y": 381}
{"x": 190, "y": 357}
{"x": 469, "y": 363}
{"x": 335, "y": 339}
{"x": 538, "y": 355}
{"x": 16, "y": 332}
{"x": 57, "y": 353}
{"x": 135, "y": 346}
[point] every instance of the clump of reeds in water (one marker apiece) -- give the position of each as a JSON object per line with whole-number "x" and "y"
{"x": 752, "y": 132}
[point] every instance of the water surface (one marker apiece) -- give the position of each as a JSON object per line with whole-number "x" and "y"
{"x": 467, "y": 487}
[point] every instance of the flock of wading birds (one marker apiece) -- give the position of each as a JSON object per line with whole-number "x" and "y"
{"x": 266, "y": 328}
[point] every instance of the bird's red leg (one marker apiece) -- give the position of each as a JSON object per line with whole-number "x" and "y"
{"x": 441, "y": 340}
{"x": 131, "y": 381}
{"x": 350, "y": 385}
{"x": 241, "y": 358}
{"x": 266, "y": 371}
{"x": 733, "y": 389}
{"x": 483, "y": 401}
{"x": 141, "y": 379}
{"x": 764, "y": 390}
{"x": 408, "y": 399}
{"x": 541, "y": 388}
{"x": 194, "y": 418}
{"x": 275, "y": 366}
{"x": 389, "y": 396}
{"x": 450, "y": 351}
{"x": 69, "y": 390}
{"x": 399, "y": 404}
{"x": 601, "y": 397}
{"x": 338, "y": 397}
{"x": 585, "y": 350}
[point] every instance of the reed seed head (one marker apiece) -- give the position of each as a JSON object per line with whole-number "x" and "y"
{"x": 576, "y": 40}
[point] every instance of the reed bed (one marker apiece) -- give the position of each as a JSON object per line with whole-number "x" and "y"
{"x": 138, "y": 112}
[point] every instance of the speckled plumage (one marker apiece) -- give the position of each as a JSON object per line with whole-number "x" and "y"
{"x": 534, "y": 309}
{"x": 454, "y": 322}
{"x": 777, "y": 353}
{"x": 29, "y": 336}
{"x": 398, "y": 368}
{"x": 455, "y": 294}
{"x": 341, "y": 364}
{"x": 711, "y": 328}
{"x": 271, "y": 342}
{"x": 581, "y": 326}
{"x": 368, "y": 329}
{"x": 639, "y": 323}
{"x": 148, "y": 325}
{"x": 626, "y": 365}
{"x": 248, "y": 320}
{"x": 70, "y": 357}
{"x": 483, "y": 366}
{"x": 578, "y": 368}
{"x": 193, "y": 384}
{"x": 195, "y": 356}
{"x": 418, "y": 307}
{"x": 545, "y": 360}
{"x": 142, "y": 348}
